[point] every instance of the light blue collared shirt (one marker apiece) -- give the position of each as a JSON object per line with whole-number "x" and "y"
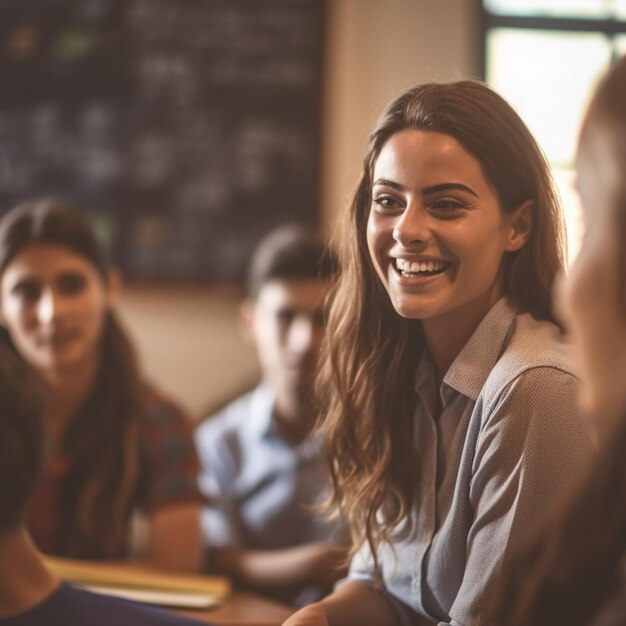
{"x": 508, "y": 444}
{"x": 259, "y": 487}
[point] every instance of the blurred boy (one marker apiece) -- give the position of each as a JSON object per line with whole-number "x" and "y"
{"x": 262, "y": 468}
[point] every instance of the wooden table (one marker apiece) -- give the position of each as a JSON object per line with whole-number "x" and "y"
{"x": 242, "y": 609}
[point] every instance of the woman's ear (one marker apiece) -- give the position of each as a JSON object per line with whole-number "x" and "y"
{"x": 114, "y": 283}
{"x": 520, "y": 225}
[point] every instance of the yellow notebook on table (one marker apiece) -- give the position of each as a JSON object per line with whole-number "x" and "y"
{"x": 142, "y": 584}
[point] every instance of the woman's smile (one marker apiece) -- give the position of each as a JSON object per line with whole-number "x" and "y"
{"x": 416, "y": 272}
{"x": 58, "y": 339}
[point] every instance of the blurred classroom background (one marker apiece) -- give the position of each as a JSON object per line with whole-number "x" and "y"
{"x": 544, "y": 56}
{"x": 189, "y": 336}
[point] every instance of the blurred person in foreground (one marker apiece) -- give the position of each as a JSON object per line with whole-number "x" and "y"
{"x": 119, "y": 455}
{"x": 29, "y": 594}
{"x": 576, "y": 574}
{"x": 262, "y": 467}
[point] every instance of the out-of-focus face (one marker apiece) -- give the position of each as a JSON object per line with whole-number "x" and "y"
{"x": 588, "y": 298}
{"x": 436, "y": 232}
{"x": 53, "y": 304}
{"x": 287, "y": 325}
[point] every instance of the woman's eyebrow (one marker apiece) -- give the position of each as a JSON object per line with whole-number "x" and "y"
{"x": 449, "y": 187}
{"x": 388, "y": 183}
{"x": 432, "y": 189}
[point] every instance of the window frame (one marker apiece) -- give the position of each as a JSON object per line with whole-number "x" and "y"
{"x": 609, "y": 27}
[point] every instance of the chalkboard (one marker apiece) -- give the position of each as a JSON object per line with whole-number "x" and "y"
{"x": 185, "y": 128}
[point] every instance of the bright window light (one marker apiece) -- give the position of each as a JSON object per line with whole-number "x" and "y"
{"x": 546, "y": 57}
{"x": 548, "y": 76}
{"x": 552, "y": 8}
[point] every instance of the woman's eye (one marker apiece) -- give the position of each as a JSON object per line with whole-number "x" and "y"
{"x": 71, "y": 283}
{"x": 27, "y": 291}
{"x": 385, "y": 202}
{"x": 447, "y": 205}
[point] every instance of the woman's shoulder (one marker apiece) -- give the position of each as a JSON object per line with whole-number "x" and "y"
{"x": 167, "y": 447}
{"x": 535, "y": 349}
{"x": 530, "y": 397}
{"x": 157, "y": 409}
{"x": 534, "y": 343}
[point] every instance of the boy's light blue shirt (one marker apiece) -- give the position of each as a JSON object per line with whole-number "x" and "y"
{"x": 260, "y": 488}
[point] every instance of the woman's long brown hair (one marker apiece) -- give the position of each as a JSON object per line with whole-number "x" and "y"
{"x": 366, "y": 384}
{"x": 101, "y": 441}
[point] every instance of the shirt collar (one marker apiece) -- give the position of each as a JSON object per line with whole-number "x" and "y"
{"x": 472, "y": 366}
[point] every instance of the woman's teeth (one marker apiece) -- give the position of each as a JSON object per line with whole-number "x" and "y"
{"x": 408, "y": 268}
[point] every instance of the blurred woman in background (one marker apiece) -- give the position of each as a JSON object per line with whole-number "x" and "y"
{"x": 576, "y": 574}
{"x": 120, "y": 456}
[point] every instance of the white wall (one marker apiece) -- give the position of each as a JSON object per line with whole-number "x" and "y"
{"x": 188, "y": 337}
{"x": 376, "y": 49}
{"x": 189, "y": 343}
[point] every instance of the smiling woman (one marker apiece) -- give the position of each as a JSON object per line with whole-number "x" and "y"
{"x": 117, "y": 450}
{"x": 450, "y": 418}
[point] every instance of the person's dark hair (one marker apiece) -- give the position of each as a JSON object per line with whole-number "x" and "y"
{"x": 569, "y": 573}
{"x": 289, "y": 252}
{"x": 100, "y": 443}
{"x": 47, "y": 221}
{"x": 21, "y": 439}
{"x": 366, "y": 383}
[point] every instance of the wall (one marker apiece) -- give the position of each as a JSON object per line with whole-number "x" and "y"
{"x": 188, "y": 337}
{"x": 189, "y": 343}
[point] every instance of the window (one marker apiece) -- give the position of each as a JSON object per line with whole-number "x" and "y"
{"x": 545, "y": 57}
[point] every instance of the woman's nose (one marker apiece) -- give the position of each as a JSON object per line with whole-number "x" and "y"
{"x": 47, "y": 307}
{"x": 413, "y": 226}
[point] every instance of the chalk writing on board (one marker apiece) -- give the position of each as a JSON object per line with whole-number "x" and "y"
{"x": 185, "y": 128}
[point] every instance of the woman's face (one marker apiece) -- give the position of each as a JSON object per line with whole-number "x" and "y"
{"x": 436, "y": 233}
{"x": 53, "y": 304}
{"x": 589, "y": 298}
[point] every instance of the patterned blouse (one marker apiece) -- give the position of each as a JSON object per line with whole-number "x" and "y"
{"x": 168, "y": 471}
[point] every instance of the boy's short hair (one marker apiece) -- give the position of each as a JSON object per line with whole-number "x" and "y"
{"x": 21, "y": 438}
{"x": 289, "y": 252}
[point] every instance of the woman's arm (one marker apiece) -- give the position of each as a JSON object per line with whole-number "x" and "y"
{"x": 175, "y": 540}
{"x": 354, "y": 603}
